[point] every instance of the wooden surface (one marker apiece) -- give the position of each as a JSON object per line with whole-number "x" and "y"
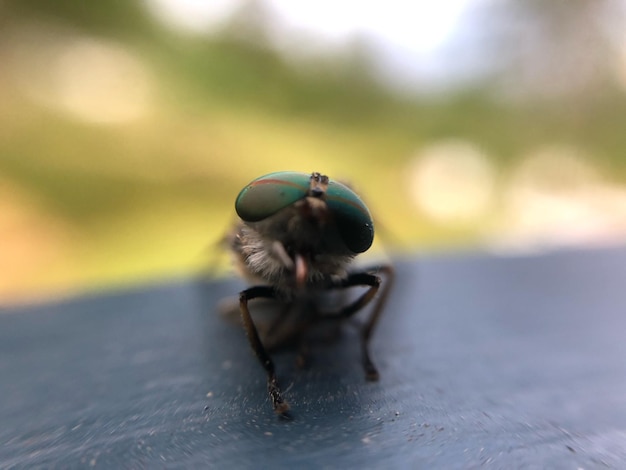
{"x": 484, "y": 361}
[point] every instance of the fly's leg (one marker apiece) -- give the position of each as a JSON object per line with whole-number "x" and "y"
{"x": 279, "y": 404}
{"x": 366, "y": 278}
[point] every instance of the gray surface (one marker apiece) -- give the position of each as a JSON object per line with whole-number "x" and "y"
{"x": 484, "y": 361}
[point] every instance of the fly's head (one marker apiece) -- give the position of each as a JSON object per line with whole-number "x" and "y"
{"x": 299, "y": 228}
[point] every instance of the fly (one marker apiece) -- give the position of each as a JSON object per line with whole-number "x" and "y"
{"x": 295, "y": 239}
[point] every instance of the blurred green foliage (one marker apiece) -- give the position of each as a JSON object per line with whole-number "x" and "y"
{"x": 113, "y": 203}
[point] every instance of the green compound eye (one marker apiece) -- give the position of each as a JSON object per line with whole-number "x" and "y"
{"x": 352, "y": 217}
{"x": 268, "y": 194}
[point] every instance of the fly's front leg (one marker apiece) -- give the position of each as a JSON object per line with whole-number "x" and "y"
{"x": 280, "y": 405}
{"x": 374, "y": 282}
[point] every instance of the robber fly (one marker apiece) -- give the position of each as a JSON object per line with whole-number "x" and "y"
{"x": 295, "y": 239}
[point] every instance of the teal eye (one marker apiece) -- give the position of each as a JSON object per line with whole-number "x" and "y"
{"x": 352, "y": 217}
{"x": 268, "y": 194}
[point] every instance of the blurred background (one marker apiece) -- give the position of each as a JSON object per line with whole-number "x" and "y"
{"x": 127, "y": 128}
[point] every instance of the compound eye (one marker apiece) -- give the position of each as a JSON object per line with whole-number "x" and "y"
{"x": 352, "y": 217}
{"x": 268, "y": 194}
